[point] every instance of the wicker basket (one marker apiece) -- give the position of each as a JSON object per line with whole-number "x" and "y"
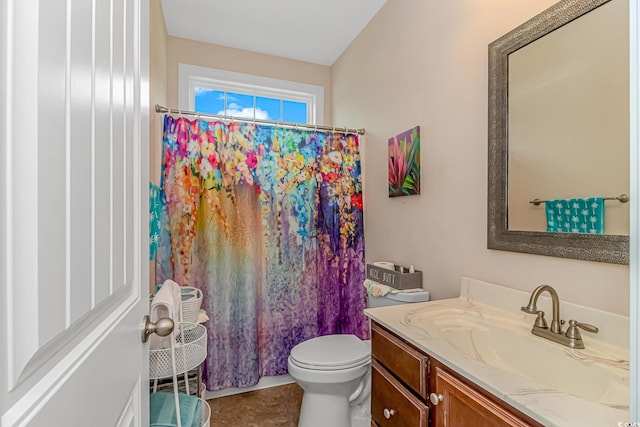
{"x": 191, "y": 302}
{"x": 191, "y": 350}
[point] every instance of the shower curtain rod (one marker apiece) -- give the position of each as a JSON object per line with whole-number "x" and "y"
{"x": 163, "y": 109}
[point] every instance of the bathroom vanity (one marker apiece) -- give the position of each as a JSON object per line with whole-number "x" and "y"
{"x": 473, "y": 361}
{"x": 407, "y": 384}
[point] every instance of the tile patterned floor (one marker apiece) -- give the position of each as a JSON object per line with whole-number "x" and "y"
{"x": 270, "y": 407}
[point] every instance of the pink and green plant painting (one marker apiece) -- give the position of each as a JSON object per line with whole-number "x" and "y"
{"x": 404, "y": 163}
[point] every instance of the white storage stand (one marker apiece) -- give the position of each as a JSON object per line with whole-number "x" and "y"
{"x": 190, "y": 350}
{"x": 187, "y": 351}
{"x": 194, "y": 378}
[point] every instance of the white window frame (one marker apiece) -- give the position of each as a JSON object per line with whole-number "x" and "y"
{"x": 191, "y": 76}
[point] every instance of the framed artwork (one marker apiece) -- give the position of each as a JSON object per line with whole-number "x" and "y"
{"x": 404, "y": 163}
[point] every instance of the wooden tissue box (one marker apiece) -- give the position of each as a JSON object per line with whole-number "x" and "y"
{"x": 395, "y": 278}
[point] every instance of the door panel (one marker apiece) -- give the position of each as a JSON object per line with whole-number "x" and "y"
{"x": 73, "y": 213}
{"x": 76, "y": 392}
{"x": 103, "y": 135}
{"x": 128, "y": 418}
{"x": 51, "y": 176}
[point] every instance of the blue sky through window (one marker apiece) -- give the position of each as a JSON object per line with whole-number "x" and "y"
{"x": 270, "y": 106}
{"x": 244, "y": 105}
{"x": 209, "y": 101}
{"x": 239, "y": 105}
{"x": 295, "y": 112}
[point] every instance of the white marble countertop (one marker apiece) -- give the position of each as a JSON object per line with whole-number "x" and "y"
{"x": 542, "y": 403}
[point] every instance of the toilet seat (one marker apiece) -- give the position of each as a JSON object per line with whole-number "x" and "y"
{"x": 330, "y": 353}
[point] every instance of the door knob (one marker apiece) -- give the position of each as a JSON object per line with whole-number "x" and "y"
{"x": 435, "y": 398}
{"x": 388, "y": 413}
{"x": 162, "y": 327}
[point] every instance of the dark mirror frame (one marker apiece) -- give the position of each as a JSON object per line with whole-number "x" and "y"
{"x": 603, "y": 248}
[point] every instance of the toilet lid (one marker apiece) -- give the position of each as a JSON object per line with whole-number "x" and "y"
{"x": 331, "y": 352}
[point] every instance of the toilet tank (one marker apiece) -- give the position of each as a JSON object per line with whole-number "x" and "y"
{"x": 397, "y": 298}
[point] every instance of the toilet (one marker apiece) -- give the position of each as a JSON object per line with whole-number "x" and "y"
{"x": 334, "y": 371}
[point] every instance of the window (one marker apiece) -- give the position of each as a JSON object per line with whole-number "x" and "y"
{"x": 211, "y": 91}
{"x": 248, "y": 105}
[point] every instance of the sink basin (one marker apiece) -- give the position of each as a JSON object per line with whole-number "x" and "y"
{"x": 501, "y": 340}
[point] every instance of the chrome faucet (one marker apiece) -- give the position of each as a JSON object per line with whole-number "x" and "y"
{"x": 572, "y": 337}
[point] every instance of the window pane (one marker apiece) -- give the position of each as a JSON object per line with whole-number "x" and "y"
{"x": 267, "y": 108}
{"x": 239, "y": 105}
{"x": 209, "y": 101}
{"x": 294, "y": 112}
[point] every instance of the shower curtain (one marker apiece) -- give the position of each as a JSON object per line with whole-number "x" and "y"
{"x": 268, "y": 223}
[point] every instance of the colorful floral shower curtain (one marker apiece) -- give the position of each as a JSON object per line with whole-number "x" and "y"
{"x": 268, "y": 223}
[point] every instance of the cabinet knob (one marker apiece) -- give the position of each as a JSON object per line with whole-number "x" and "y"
{"x": 435, "y": 398}
{"x": 388, "y": 413}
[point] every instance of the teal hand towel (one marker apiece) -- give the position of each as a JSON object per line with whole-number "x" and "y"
{"x": 575, "y": 215}
{"x": 163, "y": 410}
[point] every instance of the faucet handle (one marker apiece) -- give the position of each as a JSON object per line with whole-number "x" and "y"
{"x": 541, "y": 322}
{"x": 573, "y": 332}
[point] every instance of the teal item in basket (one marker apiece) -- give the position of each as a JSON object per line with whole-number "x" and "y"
{"x": 163, "y": 410}
{"x": 575, "y": 215}
{"x": 154, "y": 219}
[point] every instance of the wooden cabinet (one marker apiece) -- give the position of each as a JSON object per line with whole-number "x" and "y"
{"x": 398, "y": 382}
{"x": 462, "y": 405}
{"x": 403, "y": 380}
{"x": 393, "y": 405}
{"x": 407, "y": 364}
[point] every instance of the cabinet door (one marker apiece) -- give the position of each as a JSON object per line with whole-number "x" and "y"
{"x": 462, "y": 406}
{"x": 406, "y": 363}
{"x": 392, "y": 404}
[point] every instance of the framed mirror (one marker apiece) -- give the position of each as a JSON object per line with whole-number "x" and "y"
{"x": 559, "y": 129}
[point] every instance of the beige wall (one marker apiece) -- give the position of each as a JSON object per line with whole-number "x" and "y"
{"x": 184, "y": 51}
{"x": 425, "y": 63}
{"x": 157, "y": 84}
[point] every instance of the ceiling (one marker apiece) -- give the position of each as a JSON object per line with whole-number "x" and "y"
{"x": 312, "y": 31}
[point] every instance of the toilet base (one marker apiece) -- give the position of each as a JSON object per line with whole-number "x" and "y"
{"x": 361, "y": 414}
{"x": 322, "y": 410}
{"x": 361, "y": 421}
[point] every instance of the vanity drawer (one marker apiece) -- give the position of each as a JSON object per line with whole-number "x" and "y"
{"x": 406, "y": 363}
{"x": 392, "y": 405}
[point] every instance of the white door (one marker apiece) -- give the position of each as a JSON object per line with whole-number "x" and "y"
{"x": 73, "y": 212}
{"x": 634, "y": 237}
